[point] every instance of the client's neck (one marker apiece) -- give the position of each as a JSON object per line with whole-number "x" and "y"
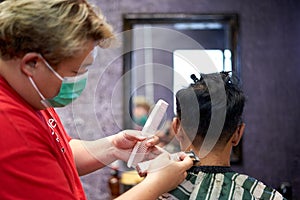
{"x": 219, "y": 156}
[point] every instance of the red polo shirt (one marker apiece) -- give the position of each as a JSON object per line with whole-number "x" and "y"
{"x": 36, "y": 161}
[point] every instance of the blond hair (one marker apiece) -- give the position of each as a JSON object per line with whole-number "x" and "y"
{"x": 141, "y": 101}
{"x": 57, "y": 29}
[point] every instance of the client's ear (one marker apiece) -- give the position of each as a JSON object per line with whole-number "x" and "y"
{"x": 176, "y": 125}
{"x": 181, "y": 135}
{"x": 237, "y": 135}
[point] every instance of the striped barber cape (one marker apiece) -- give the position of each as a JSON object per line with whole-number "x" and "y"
{"x": 213, "y": 182}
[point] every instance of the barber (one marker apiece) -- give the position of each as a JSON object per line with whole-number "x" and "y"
{"x": 45, "y": 50}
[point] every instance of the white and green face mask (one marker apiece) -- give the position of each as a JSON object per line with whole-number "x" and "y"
{"x": 70, "y": 89}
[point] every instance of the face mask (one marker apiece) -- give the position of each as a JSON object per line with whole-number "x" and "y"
{"x": 141, "y": 121}
{"x": 70, "y": 89}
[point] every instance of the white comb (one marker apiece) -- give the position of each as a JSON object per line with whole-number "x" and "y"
{"x": 138, "y": 153}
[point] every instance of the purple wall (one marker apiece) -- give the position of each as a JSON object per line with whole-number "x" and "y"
{"x": 270, "y": 65}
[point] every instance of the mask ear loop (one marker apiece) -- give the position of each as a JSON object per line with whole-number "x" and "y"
{"x": 43, "y": 101}
{"x": 95, "y": 53}
{"x": 48, "y": 65}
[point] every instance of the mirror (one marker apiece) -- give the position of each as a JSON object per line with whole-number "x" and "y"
{"x": 164, "y": 49}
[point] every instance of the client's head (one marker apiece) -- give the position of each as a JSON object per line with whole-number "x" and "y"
{"x": 195, "y": 107}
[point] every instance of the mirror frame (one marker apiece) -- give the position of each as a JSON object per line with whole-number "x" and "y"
{"x": 132, "y": 19}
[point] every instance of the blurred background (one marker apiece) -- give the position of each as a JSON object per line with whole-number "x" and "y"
{"x": 269, "y": 46}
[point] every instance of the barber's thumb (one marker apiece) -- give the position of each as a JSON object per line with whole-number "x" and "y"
{"x": 133, "y": 135}
{"x": 186, "y": 163}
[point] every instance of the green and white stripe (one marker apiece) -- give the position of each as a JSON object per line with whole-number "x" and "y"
{"x": 217, "y": 188}
{"x": 198, "y": 182}
{"x": 222, "y": 186}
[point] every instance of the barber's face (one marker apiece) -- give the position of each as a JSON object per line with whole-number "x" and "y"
{"x": 49, "y": 84}
{"x": 78, "y": 64}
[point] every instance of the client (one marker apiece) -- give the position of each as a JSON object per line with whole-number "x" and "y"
{"x": 212, "y": 178}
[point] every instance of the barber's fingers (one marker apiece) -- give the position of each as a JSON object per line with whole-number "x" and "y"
{"x": 186, "y": 163}
{"x": 152, "y": 141}
{"x": 135, "y": 135}
{"x": 179, "y": 156}
{"x": 164, "y": 159}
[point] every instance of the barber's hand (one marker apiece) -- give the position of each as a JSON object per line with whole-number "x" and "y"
{"x": 160, "y": 179}
{"x": 125, "y": 141}
{"x": 167, "y": 174}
